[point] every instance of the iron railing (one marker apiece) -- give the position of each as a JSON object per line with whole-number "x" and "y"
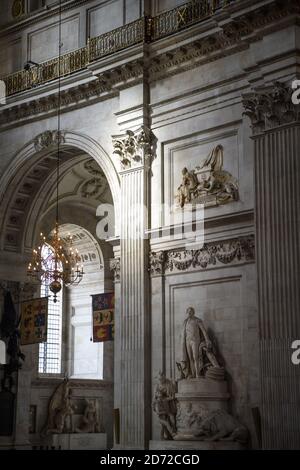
{"x": 145, "y": 29}
{"x": 116, "y": 40}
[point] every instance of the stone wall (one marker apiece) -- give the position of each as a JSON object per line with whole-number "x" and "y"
{"x": 183, "y": 95}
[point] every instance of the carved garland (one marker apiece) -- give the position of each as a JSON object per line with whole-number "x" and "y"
{"x": 224, "y": 252}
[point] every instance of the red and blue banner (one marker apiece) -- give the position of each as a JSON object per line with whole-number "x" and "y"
{"x": 34, "y": 317}
{"x": 103, "y": 307}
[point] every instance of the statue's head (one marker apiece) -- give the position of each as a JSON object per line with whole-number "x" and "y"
{"x": 184, "y": 171}
{"x": 190, "y": 311}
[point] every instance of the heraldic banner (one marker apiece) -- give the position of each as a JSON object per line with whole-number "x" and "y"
{"x": 34, "y": 316}
{"x": 103, "y": 317}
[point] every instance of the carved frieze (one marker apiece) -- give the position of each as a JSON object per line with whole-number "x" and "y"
{"x": 157, "y": 262}
{"x": 134, "y": 148}
{"x": 225, "y": 252}
{"x": 270, "y": 107}
{"x": 47, "y": 139}
{"x": 208, "y": 183}
{"x": 115, "y": 267}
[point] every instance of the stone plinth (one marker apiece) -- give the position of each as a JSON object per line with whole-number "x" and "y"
{"x": 195, "y": 445}
{"x": 196, "y": 398}
{"x": 78, "y": 441}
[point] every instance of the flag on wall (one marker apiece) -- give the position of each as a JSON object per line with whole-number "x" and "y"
{"x": 103, "y": 306}
{"x": 34, "y": 316}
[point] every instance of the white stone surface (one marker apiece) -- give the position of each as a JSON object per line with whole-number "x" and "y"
{"x": 190, "y": 110}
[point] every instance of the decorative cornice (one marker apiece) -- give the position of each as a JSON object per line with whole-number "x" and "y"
{"x": 102, "y": 88}
{"x": 115, "y": 267}
{"x": 48, "y": 139}
{"x": 231, "y": 36}
{"x": 241, "y": 250}
{"x": 271, "y": 107}
{"x": 134, "y": 148}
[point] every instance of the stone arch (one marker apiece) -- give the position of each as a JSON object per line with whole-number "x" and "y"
{"x": 32, "y": 153}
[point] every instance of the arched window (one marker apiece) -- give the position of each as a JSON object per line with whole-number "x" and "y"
{"x": 50, "y": 352}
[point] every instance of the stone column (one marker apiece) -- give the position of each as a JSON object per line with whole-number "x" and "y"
{"x": 134, "y": 151}
{"x": 276, "y": 129}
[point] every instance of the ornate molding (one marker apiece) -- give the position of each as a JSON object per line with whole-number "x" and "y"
{"x": 232, "y": 36}
{"x": 102, "y": 88}
{"x": 225, "y": 252}
{"x": 115, "y": 267}
{"x": 134, "y": 148}
{"x": 157, "y": 263}
{"x": 93, "y": 187}
{"x": 91, "y": 167}
{"x": 208, "y": 184}
{"x": 271, "y": 107}
{"x": 48, "y": 139}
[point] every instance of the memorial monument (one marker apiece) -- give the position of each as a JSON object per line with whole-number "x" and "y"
{"x": 193, "y": 410}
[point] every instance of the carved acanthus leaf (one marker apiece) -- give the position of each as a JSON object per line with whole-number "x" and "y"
{"x": 271, "y": 107}
{"x": 134, "y": 148}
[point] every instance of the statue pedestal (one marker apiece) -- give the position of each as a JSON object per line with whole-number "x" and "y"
{"x": 196, "y": 398}
{"x": 78, "y": 441}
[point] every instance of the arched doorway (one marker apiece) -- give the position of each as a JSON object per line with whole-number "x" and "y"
{"x": 28, "y": 207}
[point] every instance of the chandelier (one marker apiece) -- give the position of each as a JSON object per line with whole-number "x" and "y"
{"x": 55, "y": 261}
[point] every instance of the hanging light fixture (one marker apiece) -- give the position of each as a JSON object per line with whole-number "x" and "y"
{"x": 55, "y": 261}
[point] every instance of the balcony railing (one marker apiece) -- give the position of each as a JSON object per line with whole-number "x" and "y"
{"x": 143, "y": 30}
{"x": 116, "y": 40}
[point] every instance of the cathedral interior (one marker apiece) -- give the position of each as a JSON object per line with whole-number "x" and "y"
{"x": 149, "y": 224}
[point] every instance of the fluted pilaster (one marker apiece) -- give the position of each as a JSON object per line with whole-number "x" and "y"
{"x": 134, "y": 324}
{"x": 277, "y": 173}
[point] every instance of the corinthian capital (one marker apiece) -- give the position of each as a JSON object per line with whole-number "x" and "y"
{"x": 134, "y": 148}
{"x": 270, "y": 107}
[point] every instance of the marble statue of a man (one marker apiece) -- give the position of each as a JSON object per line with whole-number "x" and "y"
{"x": 197, "y": 351}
